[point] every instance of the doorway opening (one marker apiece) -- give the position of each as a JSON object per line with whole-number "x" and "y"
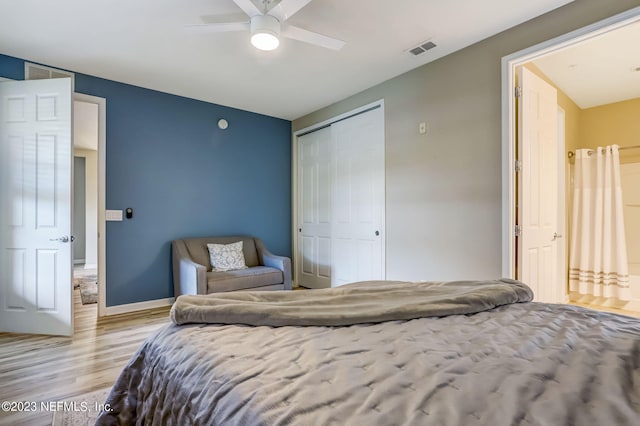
{"x": 512, "y": 182}
{"x": 89, "y": 138}
{"x": 85, "y": 201}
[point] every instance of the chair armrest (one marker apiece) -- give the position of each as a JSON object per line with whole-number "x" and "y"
{"x": 282, "y": 263}
{"x": 193, "y": 277}
{"x": 189, "y": 277}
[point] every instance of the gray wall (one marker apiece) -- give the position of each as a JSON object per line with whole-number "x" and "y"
{"x": 444, "y": 188}
{"x": 79, "y": 209}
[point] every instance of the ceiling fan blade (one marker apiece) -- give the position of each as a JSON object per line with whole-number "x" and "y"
{"x": 223, "y": 19}
{"x": 287, "y": 8}
{"x": 248, "y": 7}
{"x": 310, "y": 37}
{"x": 220, "y": 27}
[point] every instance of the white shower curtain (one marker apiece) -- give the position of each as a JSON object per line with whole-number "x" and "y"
{"x": 598, "y": 253}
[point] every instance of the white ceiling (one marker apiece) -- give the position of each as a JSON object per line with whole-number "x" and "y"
{"x": 144, "y": 43}
{"x": 598, "y": 71}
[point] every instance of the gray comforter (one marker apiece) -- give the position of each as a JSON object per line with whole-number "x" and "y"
{"x": 357, "y": 303}
{"x": 519, "y": 363}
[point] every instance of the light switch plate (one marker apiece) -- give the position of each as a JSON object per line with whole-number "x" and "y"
{"x": 113, "y": 215}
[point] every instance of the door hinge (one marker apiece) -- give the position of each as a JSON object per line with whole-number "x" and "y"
{"x": 518, "y": 91}
{"x": 518, "y": 166}
{"x": 517, "y": 230}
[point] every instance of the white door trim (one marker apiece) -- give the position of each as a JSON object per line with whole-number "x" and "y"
{"x": 102, "y": 234}
{"x": 294, "y": 181}
{"x": 509, "y": 64}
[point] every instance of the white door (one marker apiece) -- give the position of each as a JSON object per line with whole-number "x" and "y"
{"x": 357, "y": 231}
{"x": 35, "y": 196}
{"x": 314, "y": 221}
{"x": 538, "y": 186}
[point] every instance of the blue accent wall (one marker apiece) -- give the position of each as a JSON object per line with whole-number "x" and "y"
{"x": 182, "y": 176}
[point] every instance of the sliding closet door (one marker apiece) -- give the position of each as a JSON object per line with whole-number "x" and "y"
{"x": 357, "y": 226}
{"x": 314, "y": 209}
{"x": 341, "y": 202}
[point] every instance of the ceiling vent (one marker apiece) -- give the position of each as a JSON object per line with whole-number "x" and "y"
{"x": 421, "y": 48}
{"x": 40, "y": 72}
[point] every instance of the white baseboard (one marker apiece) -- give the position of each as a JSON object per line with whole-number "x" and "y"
{"x": 139, "y": 306}
{"x": 90, "y": 266}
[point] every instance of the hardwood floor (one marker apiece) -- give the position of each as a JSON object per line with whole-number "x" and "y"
{"x": 44, "y": 368}
{"x": 630, "y": 309}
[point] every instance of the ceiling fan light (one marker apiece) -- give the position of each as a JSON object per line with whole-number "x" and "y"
{"x": 264, "y": 41}
{"x": 265, "y": 30}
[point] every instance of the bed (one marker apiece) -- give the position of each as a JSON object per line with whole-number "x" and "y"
{"x": 383, "y": 353}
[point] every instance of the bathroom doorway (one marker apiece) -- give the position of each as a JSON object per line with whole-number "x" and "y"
{"x": 571, "y": 54}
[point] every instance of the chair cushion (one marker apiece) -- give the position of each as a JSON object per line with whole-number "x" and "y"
{"x": 241, "y": 279}
{"x": 199, "y": 253}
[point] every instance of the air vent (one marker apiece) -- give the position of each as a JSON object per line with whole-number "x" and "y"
{"x": 421, "y": 48}
{"x": 40, "y": 72}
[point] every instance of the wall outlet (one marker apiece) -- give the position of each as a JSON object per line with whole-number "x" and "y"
{"x": 422, "y": 128}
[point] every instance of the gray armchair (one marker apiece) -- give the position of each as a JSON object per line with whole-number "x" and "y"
{"x": 192, "y": 272}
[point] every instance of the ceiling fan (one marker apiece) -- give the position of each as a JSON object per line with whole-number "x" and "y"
{"x": 269, "y": 24}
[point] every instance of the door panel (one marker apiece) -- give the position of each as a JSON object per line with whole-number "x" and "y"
{"x": 14, "y": 189}
{"x": 358, "y": 226}
{"x": 314, "y": 236}
{"x": 538, "y": 188}
{"x": 15, "y": 264}
{"x": 324, "y": 257}
{"x": 35, "y": 183}
{"x": 46, "y": 282}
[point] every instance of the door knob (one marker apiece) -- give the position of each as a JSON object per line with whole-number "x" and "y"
{"x": 64, "y": 239}
{"x": 556, "y": 236}
{"x": 377, "y": 233}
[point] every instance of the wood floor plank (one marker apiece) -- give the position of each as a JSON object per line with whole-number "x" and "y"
{"x": 48, "y": 368}
{"x": 45, "y": 368}
{"x": 605, "y": 304}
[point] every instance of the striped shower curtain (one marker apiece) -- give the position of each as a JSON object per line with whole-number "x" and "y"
{"x": 598, "y": 253}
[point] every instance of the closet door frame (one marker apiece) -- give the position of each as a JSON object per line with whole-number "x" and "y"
{"x": 295, "y": 178}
